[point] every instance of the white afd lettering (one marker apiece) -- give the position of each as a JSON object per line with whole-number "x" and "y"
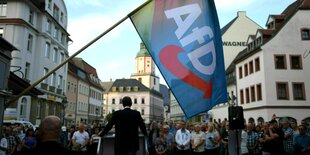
{"x": 193, "y": 11}
{"x": 198, "y": 34}
{"x": 200, "y": 52}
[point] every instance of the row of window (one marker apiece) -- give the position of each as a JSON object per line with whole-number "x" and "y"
{"x": 251, "y": 94}
{"x": 57, "y": 56}
{"x": 55, "y": 33}
{"x": 304, "y": 32}
{"x": 56, "y": 11}
{"x": 249, "y": 68}
{"x": 84, "y": 90}
{"x": 96, "y": 95}
{"x": 121, "y": 89}
{"x": 82, "y": 107}
{"x": 135, "y": 101}
{"x": 298, "y": 89}
{"x": 295, "y": 61}
{"x": 72, "y": 87}
{"x": 56, "y": 30}
{"x": 96, "y": 110}
{"x": 54, "y": 80}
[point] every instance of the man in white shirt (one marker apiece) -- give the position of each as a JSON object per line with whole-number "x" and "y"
{"x": 182, "y": 138}
{"x": 81, "y": 137}
{"x": 197, "y": 140}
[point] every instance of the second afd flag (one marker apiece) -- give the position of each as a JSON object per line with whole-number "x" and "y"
{"x": 184, "y": 39}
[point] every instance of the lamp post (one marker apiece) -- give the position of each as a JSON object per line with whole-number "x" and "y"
{"x": 228, "y": 99}
{"x": 233, "y": 99}
{"x": 64, "y": 105}
{"x": 97, "y": 112}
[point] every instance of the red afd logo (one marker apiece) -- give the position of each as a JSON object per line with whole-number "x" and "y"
{"x": 169, "y": 58}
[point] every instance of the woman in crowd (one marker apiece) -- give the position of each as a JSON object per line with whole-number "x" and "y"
{"x": 94, "y": 140}
{"x": 212, "y": 141}
{"x": 29, "y": 141}
{"x": 160, "y": 144}
{"x": 153, "y": 134}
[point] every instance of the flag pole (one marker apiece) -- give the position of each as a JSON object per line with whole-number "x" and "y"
{"x": 15, "y": 98}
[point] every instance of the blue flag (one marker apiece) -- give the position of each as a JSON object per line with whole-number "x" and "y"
{"x": 184, "y": 39}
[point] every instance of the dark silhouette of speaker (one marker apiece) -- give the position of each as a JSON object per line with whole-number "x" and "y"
{"x": 236, "y": 118}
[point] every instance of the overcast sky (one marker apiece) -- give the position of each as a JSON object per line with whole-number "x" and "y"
{"x": 113, "y": 56}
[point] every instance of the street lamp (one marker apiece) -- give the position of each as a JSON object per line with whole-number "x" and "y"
{"x": 233, "y": 99}
{"x": 228, "y": 99}
{"x": 64, "y": 105}
{"x": 97, "y": 112}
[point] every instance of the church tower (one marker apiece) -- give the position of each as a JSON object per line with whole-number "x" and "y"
{"x": 145, "y": 69}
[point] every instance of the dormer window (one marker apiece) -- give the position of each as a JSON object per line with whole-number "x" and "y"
{"x": 135, "y": 88}
{"x": 271, "y": 25}
{"x": 128, "y": 88}
{"x": 121, "y": 89}
{"x": 259, "y": 41}
{"x": 305, "y": 34}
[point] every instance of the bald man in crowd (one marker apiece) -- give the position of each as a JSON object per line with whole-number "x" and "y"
{"x": 49, "y": 132}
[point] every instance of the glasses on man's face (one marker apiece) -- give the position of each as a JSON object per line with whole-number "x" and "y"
{"x": 301, "y": 129}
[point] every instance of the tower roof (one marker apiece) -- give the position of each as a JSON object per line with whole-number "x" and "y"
{"x": 143, "y": 51}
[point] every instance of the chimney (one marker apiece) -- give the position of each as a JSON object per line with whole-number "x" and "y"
{"x": 241, "y": 14}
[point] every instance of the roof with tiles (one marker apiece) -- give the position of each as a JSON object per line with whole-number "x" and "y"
{"x": 132, "y": 83}
{"x": 269, "y": 33}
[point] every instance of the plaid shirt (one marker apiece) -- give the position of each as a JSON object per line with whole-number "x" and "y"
{"x": 11, "y": 143}
{"x": 253, "y": 138}
{"x": 288, "y": 142}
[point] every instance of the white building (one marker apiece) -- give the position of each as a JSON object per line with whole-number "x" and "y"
{"x": 176, "y": 112}
{"x": 234, "y": 36}
{"x": 143, "y": 87}
{"x": 148, "y": 102}
{"x": 38, "y": 30}
{"x": 273, "y": 71}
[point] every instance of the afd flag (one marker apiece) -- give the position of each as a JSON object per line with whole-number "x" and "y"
{"x": 184, "y": 39}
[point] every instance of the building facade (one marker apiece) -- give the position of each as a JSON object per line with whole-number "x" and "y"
{"x": 273, "y": 71}
{"x": 148, "y": 102}
{"x": 234, "y": 35}
{"x": 85, "y": 94}
{"x": 143, "y": 87}
{"x": 38, "y": 30}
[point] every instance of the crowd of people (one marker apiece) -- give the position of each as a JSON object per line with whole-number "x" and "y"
{"x": 80, "y": 140}
{"x": 178, "y": 138}
{"x": 269, "y": 138}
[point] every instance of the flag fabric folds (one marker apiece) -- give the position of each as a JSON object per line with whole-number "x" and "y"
{"x": 184, "y": 39}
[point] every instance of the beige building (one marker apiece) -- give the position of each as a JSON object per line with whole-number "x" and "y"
{"x": 85, "y": 99}
{"x": 72, "y": 88}
{"x": 145, "y": 69}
